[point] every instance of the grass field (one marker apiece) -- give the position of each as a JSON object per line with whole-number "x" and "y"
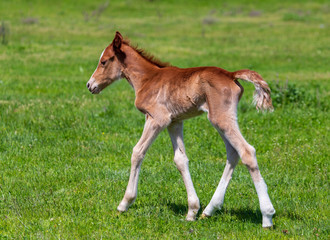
{"x": 65, "y": 153}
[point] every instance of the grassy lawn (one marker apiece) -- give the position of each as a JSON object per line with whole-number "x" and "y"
{"x": 65, "y": 153}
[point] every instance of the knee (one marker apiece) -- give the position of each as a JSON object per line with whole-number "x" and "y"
{"x": 137, "y": 154}
{"x": 248, "y": 156}
{"x": 181, "y": 161}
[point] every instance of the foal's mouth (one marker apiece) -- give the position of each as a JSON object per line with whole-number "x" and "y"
{"x": 93, "y": 89}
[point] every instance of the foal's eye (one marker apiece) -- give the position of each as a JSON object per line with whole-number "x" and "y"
{"x": 103, "y": 62}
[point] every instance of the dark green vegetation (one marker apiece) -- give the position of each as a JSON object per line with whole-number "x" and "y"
{"x": 65, "y": 154}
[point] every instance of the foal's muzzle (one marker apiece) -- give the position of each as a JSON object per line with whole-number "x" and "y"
{"x": 93, "y": 86}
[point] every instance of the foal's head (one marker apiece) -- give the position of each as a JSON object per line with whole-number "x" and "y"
{"x": 109, "y": 68}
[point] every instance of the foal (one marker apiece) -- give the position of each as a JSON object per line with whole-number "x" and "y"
{"x": 167, "y": 95}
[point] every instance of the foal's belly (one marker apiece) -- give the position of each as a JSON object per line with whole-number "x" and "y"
{"x": 187, "y": 115}
{"x": 179, "y": 112}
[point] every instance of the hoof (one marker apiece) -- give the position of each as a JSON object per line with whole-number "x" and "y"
{"x": 121, "y": 209}
{"x": 267, "y": 221}
{"x": 268, "y": 228}
{"x": 203, "y": 216}
{"x": 191, "y": 216}
{"x": 190, "y": 219}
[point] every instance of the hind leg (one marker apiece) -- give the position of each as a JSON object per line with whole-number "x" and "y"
{"x": 219, "y": 195}
{"x": 226, "y": 123}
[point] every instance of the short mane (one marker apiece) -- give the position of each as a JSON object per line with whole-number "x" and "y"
{"x": 147, "y": 56}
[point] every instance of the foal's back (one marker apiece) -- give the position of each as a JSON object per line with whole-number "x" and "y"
{"x": 187, "y": 92}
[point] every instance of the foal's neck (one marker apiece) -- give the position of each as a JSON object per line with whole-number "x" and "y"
{"x": 137, "y": 70}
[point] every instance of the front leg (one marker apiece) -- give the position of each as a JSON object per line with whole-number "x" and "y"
{"x": 151, "y": 130}
{"x": 181, "y": 160}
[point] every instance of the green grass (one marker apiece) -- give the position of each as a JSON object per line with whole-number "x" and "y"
{"x": 65, "y": 154}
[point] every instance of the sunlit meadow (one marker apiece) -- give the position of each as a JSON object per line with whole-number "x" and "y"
{"x": 65, "y": 153}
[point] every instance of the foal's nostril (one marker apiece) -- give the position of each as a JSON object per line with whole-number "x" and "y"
{"x": 87, "y": 85}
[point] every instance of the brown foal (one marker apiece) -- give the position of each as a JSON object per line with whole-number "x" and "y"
{"x": 168, "y": 95}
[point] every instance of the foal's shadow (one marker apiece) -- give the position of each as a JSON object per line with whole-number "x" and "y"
{"x": 178, "y": 209}
{"x": 243, "y": 214}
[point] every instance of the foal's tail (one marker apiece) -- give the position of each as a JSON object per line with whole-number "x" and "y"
{"x": 261, "y": 97}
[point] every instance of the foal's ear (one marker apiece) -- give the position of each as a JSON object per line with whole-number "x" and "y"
{"x": 117, "y": 41}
